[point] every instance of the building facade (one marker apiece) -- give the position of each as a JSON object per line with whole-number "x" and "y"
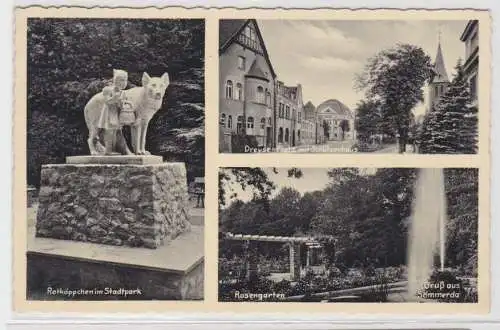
{"x": 439, "y": 81}
{"x": 246, "y": 84}
{"x": 289, "y": 115}
{"x": 337, "y": 119}
{"x": 318, "y": 131}
{"x": 470, "y": 37}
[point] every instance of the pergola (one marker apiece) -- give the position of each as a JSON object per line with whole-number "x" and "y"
{"x": 295, "y": 243}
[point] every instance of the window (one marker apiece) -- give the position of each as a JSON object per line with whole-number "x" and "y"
{"x": 248, "y": 31}
{"x": 229, "y": 121}
{"x": 229, "y": 89}
{"x": 300, "y": 116}
{"x": 269, "y": 121}
{"x": 436, "y": 92}
{"x": 287, "y": 134}
{"x": 282, "y": 110}
{"x": 268, "y": 98}
{"x": 239, "y": 124}
{"x": 260, "y": 94}
{"x": 280, "y": 135}
{"x": 241, "y": 63}
{"x": 294, "y": 115}
{"x": 287, "y": 112}
{"x": 473, "y": 87}
{"x": 250, "y": 125}
{"x": 298, "y": 135}
{"x": 223, "y": 119}
{"x": 263, "y": 123}
{"x": 250, "y": 122}
{"x": 239, "y": 92}
{"x": 249, "y": 38}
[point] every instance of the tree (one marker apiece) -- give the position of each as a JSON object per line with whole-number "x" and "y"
{"x": 344, "y": 126}
{"x": 461, "y": 186}
{"x": 70, "y": 60}
{"x": 368, "y": 119}
{"x": 395, "y": 77}
{"x": 253, "y": 177}
{"x": 451, "y": 127}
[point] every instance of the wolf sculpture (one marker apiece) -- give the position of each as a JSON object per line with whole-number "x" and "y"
{"x": 145, "y": 102}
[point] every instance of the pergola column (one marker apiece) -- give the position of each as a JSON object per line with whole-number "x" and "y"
{"x": 251, "y": 267}
{"x": 294, "y": 261}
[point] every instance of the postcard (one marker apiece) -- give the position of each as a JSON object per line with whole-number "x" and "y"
{"x": 256, "y": 160}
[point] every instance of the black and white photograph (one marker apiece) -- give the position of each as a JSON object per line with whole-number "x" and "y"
{"x": 115, "y": 159}
{"x": 354, "y": 235}
{"x": 353, "y": 86}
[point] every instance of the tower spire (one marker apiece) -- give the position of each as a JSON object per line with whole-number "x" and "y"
{"x": 439, "y": 68}
{"x": 439, "y": 34}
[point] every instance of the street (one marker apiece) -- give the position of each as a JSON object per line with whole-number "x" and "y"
{"x": 328, "y": 147}
{"x": 393, "y": 149}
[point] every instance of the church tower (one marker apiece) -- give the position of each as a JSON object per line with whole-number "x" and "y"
{"x": 439, "y": 81}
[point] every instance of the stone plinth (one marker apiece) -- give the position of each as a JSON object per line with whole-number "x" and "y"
{"x": 173, "y": 271}
{"x": 115, "y": 204}
{"x": 115, "y": 159}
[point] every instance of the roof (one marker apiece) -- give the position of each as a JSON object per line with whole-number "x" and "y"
{"x": 309, "y": 107}
{"x": 229, "y": 29}
{"x": 282, "y": 239}
{"x": 440, "y": 74}
{"x": 468, "y": 29}
{"x": 256, "y": 71}
{"x": 338, "y": 107}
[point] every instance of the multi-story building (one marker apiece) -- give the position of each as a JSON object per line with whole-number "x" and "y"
{"x": 289, "y": 115}
{"x": 470, "y": 37}
{"x": 318, "y": 133}
{"x": 439, "y": 81}
{"x": 338, "y": 120}
{"x": 246, "y": 83}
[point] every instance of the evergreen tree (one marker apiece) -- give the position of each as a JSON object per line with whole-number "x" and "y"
{"x": 451, "y": 127}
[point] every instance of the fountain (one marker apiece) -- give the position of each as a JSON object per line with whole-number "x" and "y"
{"x": 427, "y": 229}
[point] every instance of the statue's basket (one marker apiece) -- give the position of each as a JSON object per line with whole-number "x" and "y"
{"x": 127, "y": 117}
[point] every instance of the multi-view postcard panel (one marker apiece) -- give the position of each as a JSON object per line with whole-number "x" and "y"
{"x": 348, "y": 235}
{"x": 118, "y": 195}
{"x": 116, "y": 160}
{"x": 334, "y": 86}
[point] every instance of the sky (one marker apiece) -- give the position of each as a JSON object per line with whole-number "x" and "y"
{"x": 313, "y": 179}
{"x": 325, "y": 56}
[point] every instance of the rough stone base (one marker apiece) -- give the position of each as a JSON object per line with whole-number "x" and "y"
{"x": 133, "y": 205}
{"x": 51, "y": 277}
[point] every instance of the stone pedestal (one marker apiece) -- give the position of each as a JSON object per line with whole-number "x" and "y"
{"x": 115, "y": 204}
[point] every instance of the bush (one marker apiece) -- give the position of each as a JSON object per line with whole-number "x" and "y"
{"x": 444, "y": 286}
{"x": 239, "y": 141}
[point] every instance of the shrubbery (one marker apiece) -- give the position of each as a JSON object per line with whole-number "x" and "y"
{"x": 240, "y": 141}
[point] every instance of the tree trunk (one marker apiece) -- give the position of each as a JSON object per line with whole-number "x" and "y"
{"x": 403, "y": 137}
{"x": 402, "y": 144}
